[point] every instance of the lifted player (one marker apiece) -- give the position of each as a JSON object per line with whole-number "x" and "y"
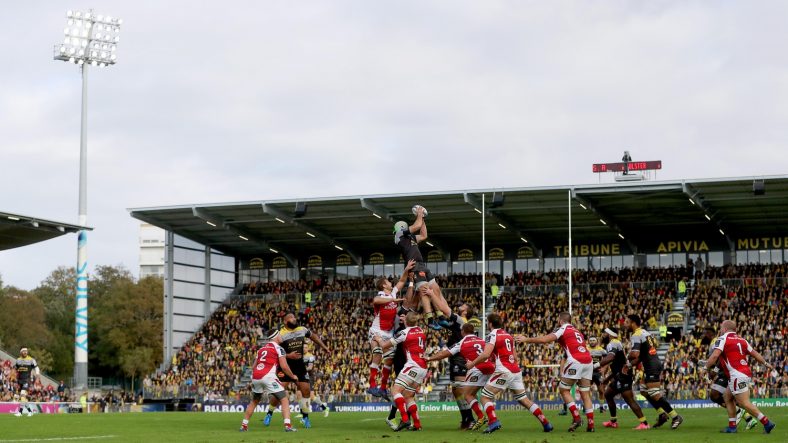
{"x": 619, "y": 381}
{"x": 408, "y": 239}
{"x": 643, "y": 351}
{"x": 412, "y": 376}
{"x": 507, "y": 376}
{"x": 264, "y": 380}
{"x": 733, "y": 351}
{"x": 578, "y": 368}
{"x": 385, "y": 306}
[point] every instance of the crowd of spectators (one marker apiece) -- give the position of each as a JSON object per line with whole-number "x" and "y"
{"x": 213, "y": 362}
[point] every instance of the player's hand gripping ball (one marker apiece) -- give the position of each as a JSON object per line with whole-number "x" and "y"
{"x": 415, "y": 210}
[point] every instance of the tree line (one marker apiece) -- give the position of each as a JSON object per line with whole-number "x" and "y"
{"x": 125, "y": 323}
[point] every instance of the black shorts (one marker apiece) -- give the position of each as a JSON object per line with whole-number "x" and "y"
{"x": 621, "y": 383}
{"x": 721, "y": 380}
{"x": 422, "y": 274}
{"x": 25, "y": 384}
{"x": 457, "y": 366}
{"x": 596, "y": 378}
{"x": 299, "y": 370}
{"x": 399, "y": 359}
{"x": 652, "y": 376}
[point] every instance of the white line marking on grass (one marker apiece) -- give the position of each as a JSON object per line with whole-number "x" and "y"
{"x": 94, "y": 437}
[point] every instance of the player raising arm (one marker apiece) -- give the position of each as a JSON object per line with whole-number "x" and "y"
{"x": 385, "y": 305}
{"x": 578, "y": 369}
{"x": 408, "y": 239}
{"x": 500, "y": 347}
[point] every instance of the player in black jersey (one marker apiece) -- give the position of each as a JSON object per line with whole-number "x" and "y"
{"x": 619, "y": 381}
{"x": 457, "y": 369}
{"x": 408, "y": 239}
{"x": 643, "y": 351}
{"x": 293, "y": 336}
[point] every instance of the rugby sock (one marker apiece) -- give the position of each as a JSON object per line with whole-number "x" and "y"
{"x": 477, "y": 409}
{"x": 763, "y": 419}
{"x": 287, "y": 423}
{"x": 489, "y": 408}
{"x": 393, "y": 412}
{"x": 245, "y": 422}
{"x": 373, "y": 375}
{"x": 590, "y": 417}
{"x": 643, "y": 419}
{"x": 613, "y": 418}
{"x": 611, "y": 405}
{"x": 731, "y": 422}
{"x": 399, "y": 400}
{"x": 271, "y": 410}
{"x": 413, "y": 410}
{"x": 306, "y": 407}
{"x": 464, "y": 411}
{"x": 573, "y": 410}
{"x": 667, "y": 408}
{"x": 538, "y": 414}
{"x": 384, "y": 378}
{"x": 428, "y": 316}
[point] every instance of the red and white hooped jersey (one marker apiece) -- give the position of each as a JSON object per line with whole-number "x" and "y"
{"x": 470, "y": 347}
{"x": 267, "y": 360}
{"x": 503, "y": 354}
{"x": 386, "y": 314}
{"x": 573, "y": 343}
{"x": 413, "y": 341}
{"x": 734, "y": 355}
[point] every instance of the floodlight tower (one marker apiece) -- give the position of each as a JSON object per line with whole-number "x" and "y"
{"x": 90, "y": 40}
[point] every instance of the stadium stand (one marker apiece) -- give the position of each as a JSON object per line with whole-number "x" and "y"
{"x": 213, "y": 364}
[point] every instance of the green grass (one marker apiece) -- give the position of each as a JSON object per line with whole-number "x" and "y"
{"x": 700, "y": 425}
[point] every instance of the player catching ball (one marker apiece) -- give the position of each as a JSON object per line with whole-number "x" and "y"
{"x": 408, "y": 239}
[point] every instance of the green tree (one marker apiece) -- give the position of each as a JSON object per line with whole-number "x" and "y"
{"x": 23, "y": 316}
{"x": 128, "y": 320}
{"x": 58, "y": 294}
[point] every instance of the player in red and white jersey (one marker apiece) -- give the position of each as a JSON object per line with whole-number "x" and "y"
{"x": 577, "y": 369}
{"x": 733, "y": 351}
{"x": 500, "y": 347}
{"x": 385, "y": 305}
{"x": 412, "y": 375}
{"x": 265, "y": 381}
{"x": 470, "y": 347}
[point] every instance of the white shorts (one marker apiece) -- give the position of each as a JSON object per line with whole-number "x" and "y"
{"x": 267, "y": 385}
{"x": 474, "y": 377}
{"x": 739, "y": 385}
{"x": 411, "y": 375}
{"x": 718, "y": 388}
{"x": 506, "y": 380}
{"x": 384, "y": 335}
{"x": 575, "y": 370}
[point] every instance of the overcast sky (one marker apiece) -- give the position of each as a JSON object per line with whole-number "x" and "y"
{"x": 250, "y": 100}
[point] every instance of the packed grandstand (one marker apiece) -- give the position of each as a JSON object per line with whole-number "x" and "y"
{"x": 214, "y": 365}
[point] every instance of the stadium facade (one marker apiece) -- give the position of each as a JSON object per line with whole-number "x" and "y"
{"x": 212, "y": 249}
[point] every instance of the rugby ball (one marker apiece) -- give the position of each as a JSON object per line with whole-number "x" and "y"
{"x": 415, "y": 209}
